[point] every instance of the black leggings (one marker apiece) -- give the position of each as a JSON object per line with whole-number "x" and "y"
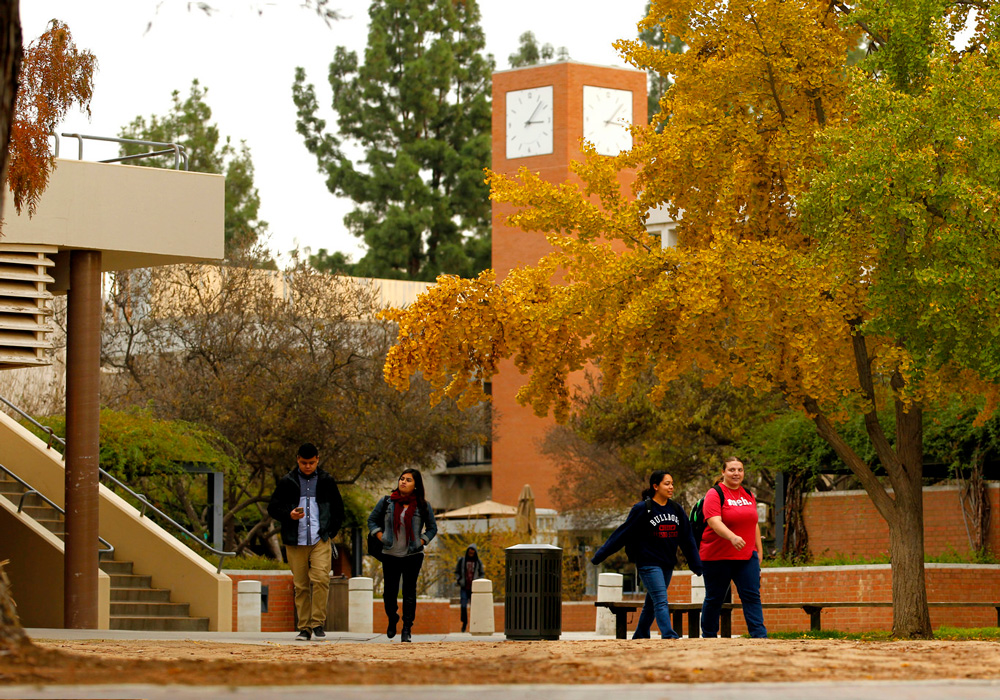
{"x": 407, "y": 568}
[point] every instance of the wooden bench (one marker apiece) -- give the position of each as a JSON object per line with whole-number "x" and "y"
{"x": 622, "y": 609}
{"x": 814, "y": 610}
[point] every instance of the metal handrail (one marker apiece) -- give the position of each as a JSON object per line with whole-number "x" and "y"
{"x": 142, "y": 499}
{"x": 180, "y": 153}
{"x": 32, "y": 490}
{"x": 44, "y": 428}
{"x": 138, "y": 496}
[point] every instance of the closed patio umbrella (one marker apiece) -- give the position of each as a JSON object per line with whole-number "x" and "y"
{"x": 527, "y": 521}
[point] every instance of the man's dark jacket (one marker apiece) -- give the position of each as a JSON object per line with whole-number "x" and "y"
{"x": 286, "y": 497}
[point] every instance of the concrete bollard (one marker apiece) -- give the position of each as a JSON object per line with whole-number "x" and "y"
{"x": 248, "y": 606}
{"x": 609, "y": 588}
{"x": 360, "y": 599}
{"x": 697, "y": 589}
{"x": 481, "y": 608}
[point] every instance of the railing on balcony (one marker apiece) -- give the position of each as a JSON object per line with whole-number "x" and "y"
{"x": 175, "y": 149}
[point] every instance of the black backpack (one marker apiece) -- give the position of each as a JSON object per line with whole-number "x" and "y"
{"x": 632, "y": 541}
{"x": 697, "y": 516}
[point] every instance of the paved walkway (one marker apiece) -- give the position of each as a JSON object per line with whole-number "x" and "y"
{"x": 852, "y": 690}
{"x": 872, "y": 690}
{"x": 271, "y": 638}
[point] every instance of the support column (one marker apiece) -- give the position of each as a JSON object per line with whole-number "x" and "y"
{"x": 83, "y": 367}
{"x": 216, "y": 493}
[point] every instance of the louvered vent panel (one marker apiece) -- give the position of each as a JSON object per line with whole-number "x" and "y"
{"x": 25, "y": 305}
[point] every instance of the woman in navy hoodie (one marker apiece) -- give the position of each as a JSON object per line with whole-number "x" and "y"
{"x": 654, "y": 528}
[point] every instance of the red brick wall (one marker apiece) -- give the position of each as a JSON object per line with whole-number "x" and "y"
{"x": 433, "y": 616}
{"x": 846, "y": 523}
{"x": 280, "y": 615}
{"x": 945, "y": 582}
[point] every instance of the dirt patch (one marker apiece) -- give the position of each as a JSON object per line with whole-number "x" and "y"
{"x": 562, "y": 662}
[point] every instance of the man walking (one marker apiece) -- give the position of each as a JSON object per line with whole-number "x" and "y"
{"x": 467, "y": 570}
{"x": 308, "y": 505}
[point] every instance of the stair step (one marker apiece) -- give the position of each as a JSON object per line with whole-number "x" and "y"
{"x": 56, "y": 527}
{"x": 157, "y": 609}
{"x": 159, "y": 624}
{"x": 39, "y": 512}
{"x": 116, "y": 567}
{"x": 31, "y": 500}
{"x": 151, "y": 595}
{"x": 131, "y": 581}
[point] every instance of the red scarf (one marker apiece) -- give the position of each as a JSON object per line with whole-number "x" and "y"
{"x": 410, "y": 504}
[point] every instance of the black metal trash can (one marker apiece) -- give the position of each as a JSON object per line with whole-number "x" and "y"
{"x": 533, "y": 598}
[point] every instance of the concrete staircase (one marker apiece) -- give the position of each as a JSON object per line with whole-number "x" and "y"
{"x": 135, "y": 604}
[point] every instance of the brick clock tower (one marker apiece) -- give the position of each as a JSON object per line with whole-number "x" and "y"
{"x": 540, "y": 114}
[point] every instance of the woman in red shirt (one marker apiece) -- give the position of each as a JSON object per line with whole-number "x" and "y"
{"x": 731, "y": 550}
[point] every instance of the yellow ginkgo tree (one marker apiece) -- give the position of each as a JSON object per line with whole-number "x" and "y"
{"x": 838, "y": 238}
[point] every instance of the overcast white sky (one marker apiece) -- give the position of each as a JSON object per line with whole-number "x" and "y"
{"x": 246, "y": 54}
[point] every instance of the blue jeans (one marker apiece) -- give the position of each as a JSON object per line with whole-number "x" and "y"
{"x": 656, "y": 579}
{"x": 746, "y": 576}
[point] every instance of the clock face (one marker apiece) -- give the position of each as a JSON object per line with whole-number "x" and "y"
{"x": 529, "y": 122}
{"x": 607, "y": 114}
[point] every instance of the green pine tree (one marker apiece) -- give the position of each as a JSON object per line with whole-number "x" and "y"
{"x": 419, "y": 109}
{"x": 189, "y": 124}
{"x": 530, "y": 53}
{"x": 658, "y": 84}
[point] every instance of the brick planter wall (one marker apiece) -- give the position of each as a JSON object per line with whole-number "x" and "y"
{"x": 846, "y": 523}
{"x": 280, "y": 615}
{"x": 945, "y": 582}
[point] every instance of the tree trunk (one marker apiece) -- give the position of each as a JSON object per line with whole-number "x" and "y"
{"x": 903, "y": 511}
{"x": 11, "y": 633}
{"x": 910, "y": 615}
{"x": 10, "y": 69}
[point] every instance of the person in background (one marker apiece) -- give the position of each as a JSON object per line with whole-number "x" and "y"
{"x": 651, "y": 533}
{"x": 404, "y": 522}
{"x": 467, "y": 570}
{"x": 307, "y": 504}
{"x": 731, "y": 548}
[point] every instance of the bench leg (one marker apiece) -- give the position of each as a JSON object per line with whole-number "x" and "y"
{"x": 677, "y": 621}
{"x": 694, "y": 624}
{"x": 621, "y": 624}
{"x": 727, "y": 623}
{"x": 814, "y": 616}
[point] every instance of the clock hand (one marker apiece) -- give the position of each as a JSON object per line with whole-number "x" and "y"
{"x": 613, "y": 115}
{"x": 533, "y": 113}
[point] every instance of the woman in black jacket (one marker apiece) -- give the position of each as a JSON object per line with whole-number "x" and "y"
{"x": 652, "y": 531}
{"x": 404, "y": 522}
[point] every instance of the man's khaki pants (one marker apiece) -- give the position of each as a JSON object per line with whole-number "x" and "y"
{"x": 310, "y": 565}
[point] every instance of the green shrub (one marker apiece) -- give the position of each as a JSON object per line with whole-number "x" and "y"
{"x": 250, "y": 562}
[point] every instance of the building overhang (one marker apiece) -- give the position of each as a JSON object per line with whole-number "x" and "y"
{"x": 136, "y": 216}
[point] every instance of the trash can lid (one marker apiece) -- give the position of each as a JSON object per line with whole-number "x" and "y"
{"x": 535, "y": 546}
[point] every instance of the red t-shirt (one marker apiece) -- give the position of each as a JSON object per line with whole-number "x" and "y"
{"x": 739, "y": 515}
